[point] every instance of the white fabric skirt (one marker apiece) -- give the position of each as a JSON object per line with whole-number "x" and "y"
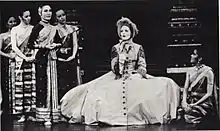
{"x": 134, "y": 101}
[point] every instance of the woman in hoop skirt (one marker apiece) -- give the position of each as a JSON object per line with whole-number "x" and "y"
{"x": 127, "y": 95}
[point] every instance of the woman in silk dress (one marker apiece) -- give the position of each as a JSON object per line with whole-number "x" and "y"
{"x": 127, "y": 95}
{"x": 199, "y": 95}
{"x": 66, "y": 64}
{"x": 24, "y": 92}
{"x": 7, "y": 66}
{"x": 45, "y": 39}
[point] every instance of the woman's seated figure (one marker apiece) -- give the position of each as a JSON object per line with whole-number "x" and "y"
{"x": 126, "y": 95}
{"x": 199, "y": 95}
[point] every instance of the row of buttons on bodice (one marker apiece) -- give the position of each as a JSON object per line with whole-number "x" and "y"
{"x": 124, "y": 96}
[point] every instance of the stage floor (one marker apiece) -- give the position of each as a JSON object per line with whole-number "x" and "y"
{"x": 78, "y": 127}
{"x": 11, "y": 125}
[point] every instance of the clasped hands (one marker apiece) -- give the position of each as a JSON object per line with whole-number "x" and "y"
{"x": 30, "y": 59}
{"x": 187, "y": 106}
{"x": 12, "y": 55}
{"x": 65, "y": 51}
{"x": 68, "y": 59}
{"x": 52, "y": 46}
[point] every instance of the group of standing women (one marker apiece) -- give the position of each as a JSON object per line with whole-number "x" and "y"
{"x": 40, "y": 59}
{"x": 37, "y": 60}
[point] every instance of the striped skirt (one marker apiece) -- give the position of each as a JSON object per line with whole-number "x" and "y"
{"x": 11, "y": 85}
{"x": 24, "y": 100}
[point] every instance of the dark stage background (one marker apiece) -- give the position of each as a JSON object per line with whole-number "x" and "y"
{"x": 98, "y": 21}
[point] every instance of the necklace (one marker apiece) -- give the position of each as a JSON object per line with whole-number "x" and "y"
{"x": 199, "y": 67}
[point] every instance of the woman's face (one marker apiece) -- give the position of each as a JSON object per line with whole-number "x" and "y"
{"x": 194, "y": 57}
{"x": 26, "y": 17}
{"x": 46, "y": 13}
{"x": 125, "y": 33}
{"x": 61, "y": 16}
{"x": 11, "y": 22}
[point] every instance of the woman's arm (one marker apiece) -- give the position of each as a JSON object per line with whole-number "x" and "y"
{"x": 185, "y": 92}
{"x": 186, "y": 87}
{"x": 33, "y": 36}
{"x": 141, "y": 68}
{"x": 210, "y": 84}
{"x": 32, "y": 43}
{"x": 14, "y": 45}
{"x": 1, "y": 52}
{"x": 114, "y": 61}
{"x": 75, "y": 46}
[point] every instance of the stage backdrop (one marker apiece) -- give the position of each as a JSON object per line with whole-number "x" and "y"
{"x": 98, "y": 21}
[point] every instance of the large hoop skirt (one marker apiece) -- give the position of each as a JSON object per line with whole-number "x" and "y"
{"x": 132, "y": 101}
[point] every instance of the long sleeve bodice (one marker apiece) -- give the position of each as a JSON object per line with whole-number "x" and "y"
{"x": 128, "y": 59}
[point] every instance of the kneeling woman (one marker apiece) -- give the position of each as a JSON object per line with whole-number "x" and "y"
{"x": 126, "y": 95}
{"x": 200, "y": 94}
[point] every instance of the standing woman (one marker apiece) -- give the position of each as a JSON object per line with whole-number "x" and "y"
{"x": 8, "y": 65}
{"x": 67, "y": 76}
{"x": 45, "y": 39}
{"x": 24, "y": 68}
